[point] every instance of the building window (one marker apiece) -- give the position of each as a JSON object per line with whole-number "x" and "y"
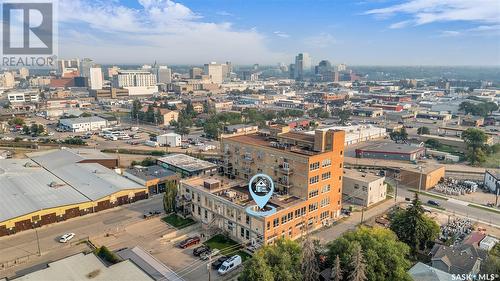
{"x": 313, "y": 166}
{"x": 326, "y": 162}
{"x": 242, "y": 232}
{"x": 206, "y": 214}
{"x": 313, "y": 207}
{"x": 247, "y": 219}
{"x": 268, "y": 225}
{"x": 325, "y": 188}
{"x": 323, "y": 215}
{"x": 326, "y": 176}
{"x": 325, "y": 202}
{"x": 276, "y": 222}
{"x": 314, "y": 180}
{"x": 313, "y": 193}
{"x": 340, "y": 166}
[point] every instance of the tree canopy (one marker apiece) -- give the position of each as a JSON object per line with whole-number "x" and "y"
{"x": 423, "y": 130}
{"x": 414, "y": 228}
{"x": 475, "y": 140}
{"x": 278, "y": 262}
{"x": 478, "y": 109}
{"x": 385, "y": 257}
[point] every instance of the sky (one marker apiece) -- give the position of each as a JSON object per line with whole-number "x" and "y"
{"x": 356, "y": 32}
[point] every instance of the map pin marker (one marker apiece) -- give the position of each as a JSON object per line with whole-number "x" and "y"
{"x": 261, "y": 187}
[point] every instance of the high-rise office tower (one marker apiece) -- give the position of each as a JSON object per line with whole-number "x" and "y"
{"x": 195, "y": 73}
{"x": 214, "y": 72}
{"x": 70, "y": 65}
{"x": 163, "y": 74}
{"x": 85, "y": 65}
{"x": 95, "y": 78}
{"x": 302, "y": 66}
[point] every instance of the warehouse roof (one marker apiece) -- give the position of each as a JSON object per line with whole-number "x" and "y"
{"x": 26, "y": 187}
{"x": 94, "y": 180}
{"x": 79, "y": 120}
{"x": 151, "y": 172}
{"x": 55, "y": 179}
{"x": 186, "y": 162}
{"x": 390, "y": 148}
{"x": 87, "y": 267}
{"x": 52, "y": 159}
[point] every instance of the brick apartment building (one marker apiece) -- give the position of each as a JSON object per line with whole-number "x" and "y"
{"x": 307, "y": 173}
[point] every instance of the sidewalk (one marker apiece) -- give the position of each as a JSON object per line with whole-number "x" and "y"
{"x": 326, "y": 235}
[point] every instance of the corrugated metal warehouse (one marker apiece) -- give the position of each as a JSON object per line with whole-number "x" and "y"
{"x": 59, "y": 185}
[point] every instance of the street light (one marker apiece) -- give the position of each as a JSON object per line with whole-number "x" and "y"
{"x": 420, "y": 179}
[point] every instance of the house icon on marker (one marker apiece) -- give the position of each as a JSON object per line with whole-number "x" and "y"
{"x": 261, "y": 186}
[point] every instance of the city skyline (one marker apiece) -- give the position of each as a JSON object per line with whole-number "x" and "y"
{"x": 356, "y": 33}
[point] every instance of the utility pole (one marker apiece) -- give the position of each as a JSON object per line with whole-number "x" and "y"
{"x": 38, "y": 242}
{"x": 208, "y": 266}
{"x": 420, "y": 179}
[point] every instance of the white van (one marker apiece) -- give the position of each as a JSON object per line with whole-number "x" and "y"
{"x": 230, "y": 264}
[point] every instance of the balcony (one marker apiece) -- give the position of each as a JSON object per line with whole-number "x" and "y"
{"x": 284, "y": 170}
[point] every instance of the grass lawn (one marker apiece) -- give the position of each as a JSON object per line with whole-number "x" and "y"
{"x": 484, "y": 208}
{"x": 227, "y": 246}
{"x": 428, "y": 194}
{"x": 492, "y": 161}
{"x": 178, "y": 222}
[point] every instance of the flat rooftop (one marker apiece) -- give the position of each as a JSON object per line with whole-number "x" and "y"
{"x": 87, "y": 267}
{"x": 187, "y": 163}
{"x": 236, "y": 191}
{"x": 360, "y": 176}
{"x": 150, "y": 172}
{"x": 26, "y": 187}
{"x": 263, "y": 141}
{"x": 390, "y": 148}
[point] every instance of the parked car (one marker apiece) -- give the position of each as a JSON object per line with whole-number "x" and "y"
{"x": 200, "y": 250}
{"x": 216, "y": 264}
{"x": 432, "y": 202}
{"x": 407, "y": 198}
{"x": 230, "y": 264}
{"x": 189, "y": 242}
{"x": 66, "y": 237}
{"x": 151, "y": 214}
{"x": 209, "y": 254}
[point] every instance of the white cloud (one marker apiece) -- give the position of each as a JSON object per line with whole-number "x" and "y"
{"x": 161, "y": 30}
{"x": 281, "y": 34}
{"x": 450, "y": 33}
{"x": 429, "y": 11}
{"x": 224, "y": 13}
{"x": 322, "y": 40}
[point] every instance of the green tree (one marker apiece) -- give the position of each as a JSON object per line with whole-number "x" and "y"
{"x": 283, "y": 258}
{"x": 318, "y": 112}
{"x": 423, "y": 131}
{"x": 492, "y": 263}
{"x": 385, "y": 256}
{"x": 399, "y": 136}
{"x": 169, "y": 201}
{"x": 475, "y": 140}
{"x": 414, "y": 228}
{"x": 86, "y": 114}
{"x": 310, "y": 267}
{"x": 136, "y": 108}
{"x": 258, "y": 269}
{"x": 359, "y": 266}
{"x": 432, "y": 143}
{"x": 343, "y": 114}
{"x": 26, "y": 129}
{"x": 336, "y": 274}
{"x": 16, "y": 121}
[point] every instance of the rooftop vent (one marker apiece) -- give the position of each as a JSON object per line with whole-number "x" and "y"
{"x": 55, "y": 184}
